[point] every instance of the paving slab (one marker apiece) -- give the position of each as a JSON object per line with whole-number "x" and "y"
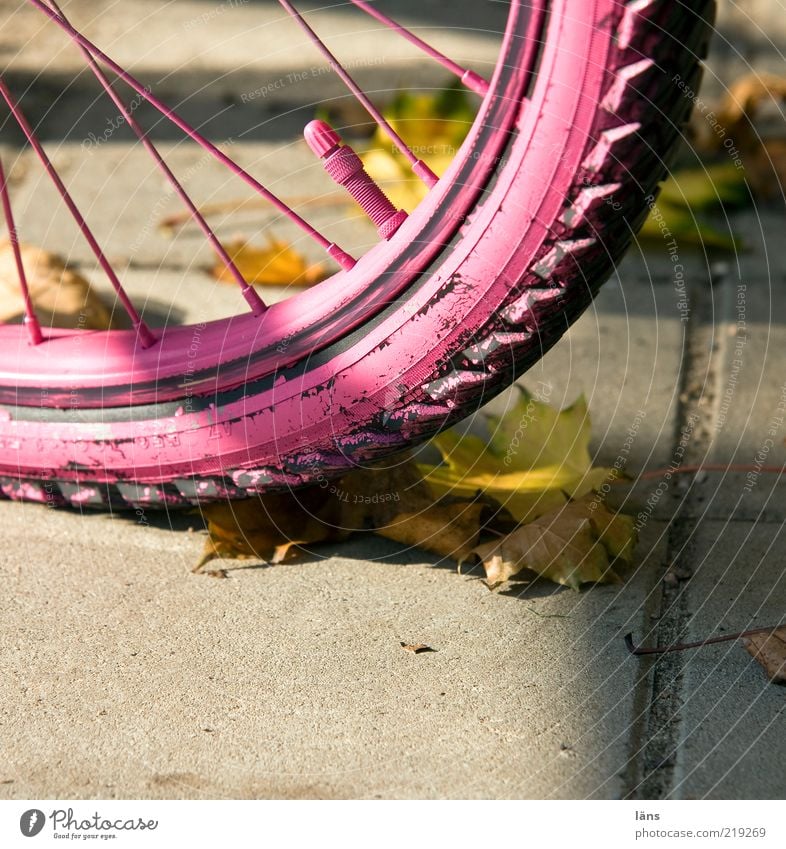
{"x": 251, "y": 46}
{"x": 731, "y": 743}
{"x": 124, "y": 198}
{"x": 714, "y": 723}
{"x": 117, "y": 658}
{"x": 125, "y": 675}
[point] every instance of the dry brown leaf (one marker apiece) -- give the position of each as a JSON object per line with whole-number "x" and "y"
{"x": 572, "y": 545}
{"x": 417, "y": 648}
{"x": 563, "y": 550}
{"x": 746, "y": 96}
{"x": 769, "y": 649}
{"x": 750, "y": 125}
{"x": 267, "y": 526}
{"x": 372, "y": 497}
{"x": 615, "y": 531}
{"x": 765, "y": 166}
{"x": 435, "y": 124}
{"x": 61, "y": 296}
{"x": 277, "y": 264}
{"x": 449, "y": 530}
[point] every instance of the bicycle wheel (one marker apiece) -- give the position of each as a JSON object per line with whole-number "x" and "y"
{"x": 484, "y": 276}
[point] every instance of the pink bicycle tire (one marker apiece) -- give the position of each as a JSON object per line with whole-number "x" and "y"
{"x": 481, "y": 280}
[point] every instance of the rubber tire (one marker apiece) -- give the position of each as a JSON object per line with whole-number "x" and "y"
{"x": 578, "y": 176}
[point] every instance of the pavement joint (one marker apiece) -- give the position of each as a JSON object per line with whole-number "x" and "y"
{"x": 702, "y": 369}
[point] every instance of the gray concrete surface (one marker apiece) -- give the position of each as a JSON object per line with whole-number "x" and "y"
{"x": 125, "y": 675}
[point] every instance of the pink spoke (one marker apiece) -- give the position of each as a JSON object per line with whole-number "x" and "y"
{"x": 418, "y": 166}
{"x": 144, "y": 335}
{"x": 31, "y": 319}
{"x": 470, "y": 79}
{"x": 333, "y": 250}
{"x": 249, "y": 293}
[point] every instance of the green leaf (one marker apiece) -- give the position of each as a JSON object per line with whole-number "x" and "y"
{"x": 685, "y": 200}
{"x": 536, "y": 457}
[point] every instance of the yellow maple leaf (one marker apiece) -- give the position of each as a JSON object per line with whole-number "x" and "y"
{"x": 276, "y": 264}
{"x": 536, "y": 457}
{"x": 434, "y": 127}
{"x": 536, "y": 463}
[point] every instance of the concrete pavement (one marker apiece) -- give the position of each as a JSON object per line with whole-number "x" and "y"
{"x": 124, "y": 675}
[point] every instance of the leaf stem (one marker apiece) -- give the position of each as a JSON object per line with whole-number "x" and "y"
{"x": 708, "y": 467}
{"x": 725, "y": 638}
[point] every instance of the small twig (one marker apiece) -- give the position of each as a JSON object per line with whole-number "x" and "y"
{"x": 207, "y": 210}
{"x": 640, "y": 650}
{"x": 650, "y": 474}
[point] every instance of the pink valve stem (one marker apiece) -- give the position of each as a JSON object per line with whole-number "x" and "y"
{"x": 347, "y": 262}
{"x": 419, "y": 167}
{"x": 346, "y": 169}
{"x": 31, "y": 319}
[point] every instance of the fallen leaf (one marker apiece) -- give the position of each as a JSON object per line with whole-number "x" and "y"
{"x": 572, "y": 545}
{"x": 267, "y": 526}
{"x": 747, "y": 129}
{"x": 418, "y": 648}
{"x": 434, "y": 126}
{"x": 575, "y": 540}
{"x": 615, "y": 531}
{"x": 61, "y": 296}
{"x": 537, "y": 457}
{"x": 450, "y": 530}
{"x": 277, "y": 264}
{"x": 769, "y": 649}
{"x": 706, "y": 187}
{"x": 394, "y": 176}
{"x": 391, "y": 500}
{"x": 687, "y": 199}
{"x": 745, "y": 97}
